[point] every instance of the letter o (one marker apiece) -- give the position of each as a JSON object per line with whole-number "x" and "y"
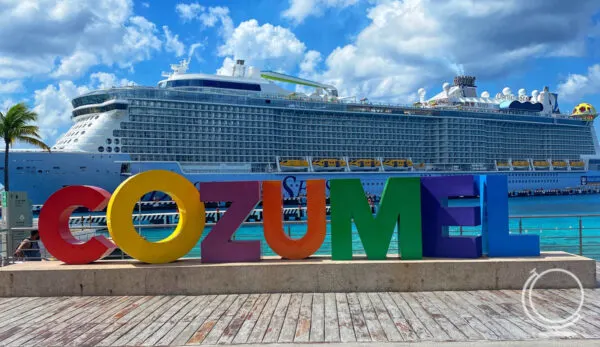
{"x": 186, "y": 234}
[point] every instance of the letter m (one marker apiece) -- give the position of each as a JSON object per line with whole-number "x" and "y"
{"x": 400, "y": 205}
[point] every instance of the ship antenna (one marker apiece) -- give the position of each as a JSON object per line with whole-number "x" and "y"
{"x": 178, "y": 69}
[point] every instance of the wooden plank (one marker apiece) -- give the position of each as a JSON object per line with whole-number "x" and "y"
{"x": 495, "y": 325}
{"x": 209, "y": 322}
{"x": 486, "y": 332}
{"x": 427, "y": 312}
{"x": 304, "y": 319}
{"x": 87, "y": 335}
{"x": 460, "y": 323}
{"x": 52, "y": 324}
{"x": 121, "y": 309}
{"x": 332, "y": 329}
{"x": 424, "y": 327}
{"x": 508, "y": 330}
{"x": 345, "y": 319}
{"x": 251, "y": 319}
{"x": 101, "y": 335}
{"x": 373, "y": 324}
{"x": 222, "y": 323}
{"x": 406, "y": 329}
{"x": 288, "y": 330}
{"x": 29, "y": 313}
{"x": 238, "y": 320}
{"x": 317, "y": 320}
{"x": 553, "y": 307}
{"x": 270, "y": 319}
{"x": 388, "y": 326}
{"x": 449, "y": 326}
{"x": 358, "y": 320}
{"x": 178, "y": 311}
{"x": 153, "y": 322}
{"x": 193, "y": 312}
{"x": 515, "y": 317}
{"x": 130, "y": 320}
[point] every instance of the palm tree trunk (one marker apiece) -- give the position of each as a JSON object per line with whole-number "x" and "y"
{"x": 6, "y": 148}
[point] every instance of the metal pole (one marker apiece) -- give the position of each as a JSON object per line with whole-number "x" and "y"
{"x": 290, "y": 231}
{"x": 580, "y": 236}
{"x": 461, "y": 230}
{"x": 520, "y": 225}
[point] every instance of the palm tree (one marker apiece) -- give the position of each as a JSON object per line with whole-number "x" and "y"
{"x": 16, "y": 125}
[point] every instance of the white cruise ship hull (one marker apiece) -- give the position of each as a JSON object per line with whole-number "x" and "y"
{"x": 40, "y": 174}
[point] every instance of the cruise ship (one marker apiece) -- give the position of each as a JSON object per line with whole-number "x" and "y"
{"x": 248, "y": 127}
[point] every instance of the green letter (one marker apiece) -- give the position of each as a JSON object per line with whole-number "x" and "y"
{"x": 400, "y": 203}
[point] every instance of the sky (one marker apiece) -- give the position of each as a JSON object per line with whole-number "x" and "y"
{"x": 54, "y": 50}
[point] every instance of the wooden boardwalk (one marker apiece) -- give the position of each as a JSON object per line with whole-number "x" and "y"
{"x": 291, "y": 317}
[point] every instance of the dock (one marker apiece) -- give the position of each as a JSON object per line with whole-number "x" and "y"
{"x": 374, "y": 317}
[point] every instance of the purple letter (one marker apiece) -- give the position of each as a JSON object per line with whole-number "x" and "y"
{"x": 437, "y": 216}
{"x": 218, "y": 247}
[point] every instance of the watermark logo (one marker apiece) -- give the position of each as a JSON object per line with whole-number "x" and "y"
{"x": 532, "y": 312}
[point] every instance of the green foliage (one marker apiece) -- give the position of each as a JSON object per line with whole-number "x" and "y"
{"x": 16, "y": 126}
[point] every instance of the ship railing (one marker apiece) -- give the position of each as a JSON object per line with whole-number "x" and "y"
{"x": 574, "y": 233}
{"x": 337, "y": 105}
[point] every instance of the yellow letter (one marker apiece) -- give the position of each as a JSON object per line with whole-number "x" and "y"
{"x": 186, "y": 234}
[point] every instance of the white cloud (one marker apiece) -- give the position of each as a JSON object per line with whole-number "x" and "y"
{"x": 577, "y": 86}
{"x": 188, "y": 12}
{"x": 263, "y": 46}
{"x": 53, "y": 106}
{"x": 410, "y": 44}
{"x": 11, "y": 87}
{"x": 146, "y": 4}
{"x": 104, "y": 80}
{"x": 35, "y": 36}
{"x": 172, "y": 43}
{"x": 208, "y": 16}
{"x": 301, "y": 9}
{"x": 5, "y": 104}
{"x": 309, "y": 64}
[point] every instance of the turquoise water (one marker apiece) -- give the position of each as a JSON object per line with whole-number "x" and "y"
{"x": 556, "y": 233}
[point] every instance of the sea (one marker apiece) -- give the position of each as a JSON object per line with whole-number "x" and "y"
{"x": 564, "y": 223}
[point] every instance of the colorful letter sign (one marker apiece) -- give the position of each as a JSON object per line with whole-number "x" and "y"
{"x": 186, "y": 234}
{"x": 418, "y": 207}
{"x": 53, "y": 225}
{"x": 400, "y": 205}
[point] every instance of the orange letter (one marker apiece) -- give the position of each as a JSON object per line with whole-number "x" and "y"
{"x": 275, "y": 236}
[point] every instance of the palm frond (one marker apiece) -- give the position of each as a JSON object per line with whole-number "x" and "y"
{"x": 34, "y": 141}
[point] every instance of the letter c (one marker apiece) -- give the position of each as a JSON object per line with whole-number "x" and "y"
{"x": 53, "y": 225}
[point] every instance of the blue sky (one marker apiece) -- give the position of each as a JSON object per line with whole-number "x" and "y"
{"x": 52, "y": 51}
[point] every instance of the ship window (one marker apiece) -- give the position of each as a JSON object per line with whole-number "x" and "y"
{"x": 117, "y": 150}
{"x": 116, "y": 141}
{"x": 83, "y": 132}
{"x": 100, "y": 149}
{"x": 108, "y": 141}
{"x": 214, "y": 84}
{"x": 109, "y": 149}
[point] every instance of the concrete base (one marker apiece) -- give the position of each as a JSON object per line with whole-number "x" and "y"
{"x": 272, "y": 275}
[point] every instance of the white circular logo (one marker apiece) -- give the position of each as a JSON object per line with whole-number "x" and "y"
{"x": 529, "y": 307}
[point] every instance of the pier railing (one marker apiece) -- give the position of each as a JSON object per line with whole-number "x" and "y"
{"x": 573, "y": 233}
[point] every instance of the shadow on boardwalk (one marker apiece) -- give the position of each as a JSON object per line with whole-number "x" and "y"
{"x": 352, "y": 318}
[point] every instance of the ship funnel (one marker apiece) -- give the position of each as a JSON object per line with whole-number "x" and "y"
{"x": 239, "y": 69}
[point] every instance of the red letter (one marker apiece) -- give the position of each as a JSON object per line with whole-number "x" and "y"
{"x": 54, "y": 225}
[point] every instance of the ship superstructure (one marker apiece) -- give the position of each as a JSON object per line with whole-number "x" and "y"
{"x": 246, "y": 126}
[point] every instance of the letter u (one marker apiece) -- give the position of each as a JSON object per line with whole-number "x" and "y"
{"x": 275, "y": 236}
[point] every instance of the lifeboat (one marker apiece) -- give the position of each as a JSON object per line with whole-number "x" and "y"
{"x": 541, "y": 165}
{"x": 520, "y": 164}
{"x": 398, "y": 164}
{"x": 559, "y": 165}
{"x": 364, "y": 164}
{"x": 502, "y": 165}
{"x": 328, "y": 164}
{"x": 577, "y": 164}
{"x": 293, "y": 165}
